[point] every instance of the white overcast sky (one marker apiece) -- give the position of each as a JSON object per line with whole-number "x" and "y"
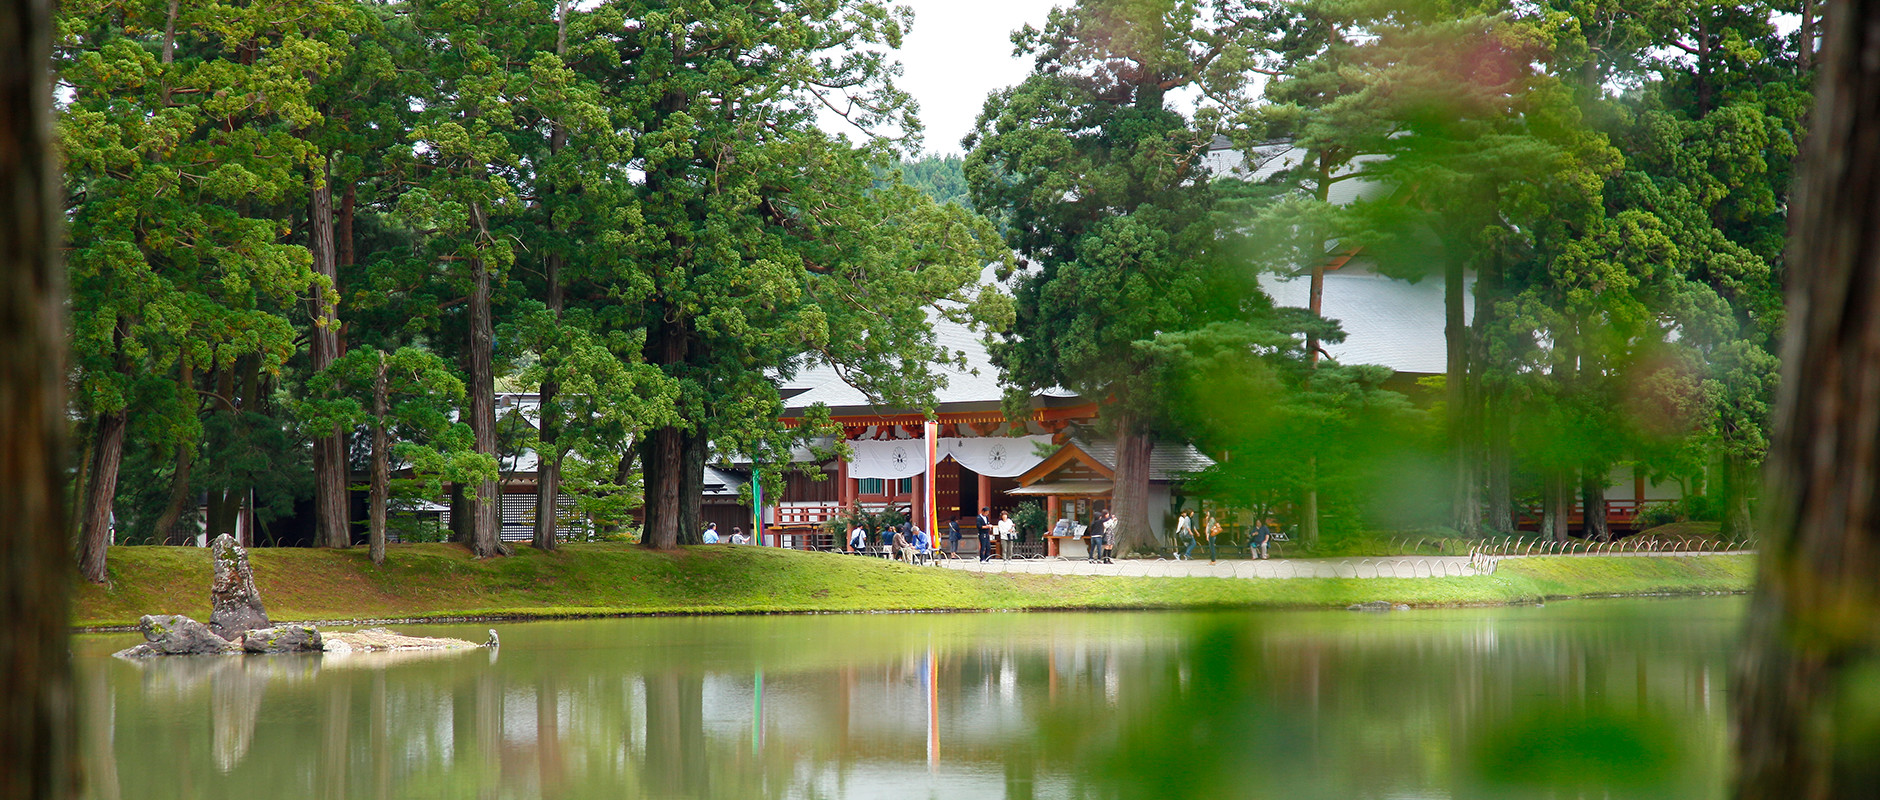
{"x": 959, "y": 51}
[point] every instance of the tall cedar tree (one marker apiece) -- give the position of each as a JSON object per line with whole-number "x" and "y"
{"x": 1101, "y": 187}
{"x": 38, "y": 729}
{"x": 765, "y": 240}
{"x": 1804, "y": 720}
{"x": 178, "y": 144}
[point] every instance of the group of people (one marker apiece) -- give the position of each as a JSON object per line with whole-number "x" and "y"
{"x": 710, "y": 536}
{"x": 1187, "y": 535}
{"x": 905, "y": 542}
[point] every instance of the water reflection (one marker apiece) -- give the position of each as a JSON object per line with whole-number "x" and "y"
{"x": 1589, "y": 699}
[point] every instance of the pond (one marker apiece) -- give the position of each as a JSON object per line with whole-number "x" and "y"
{"x": 1608, "y": 698}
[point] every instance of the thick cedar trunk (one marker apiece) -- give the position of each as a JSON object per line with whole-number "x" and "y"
{"x": 38, "y": 757}
{"x": 1557, "y": 505}
{"x": 1131, "y": 492}
{"x": 662, "y": 450}
{"x": 486, "y": 505}
{"x": 381, "y": 466}
{"x": 329, "y": 448}
{"x": 1804, "y": 695}
{"x": 1593, "y": 500}
{"x": 691, "y": 486}
{"x": 107, "y": 453}
{"x": 1466, "y": 502}
{"x": 661, "y": 454}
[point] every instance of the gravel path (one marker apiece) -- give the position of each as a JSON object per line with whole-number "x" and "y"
{"x": 1367, "y": 567}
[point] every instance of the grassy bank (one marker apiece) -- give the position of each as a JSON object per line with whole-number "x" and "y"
{"x": 440, "y": 580}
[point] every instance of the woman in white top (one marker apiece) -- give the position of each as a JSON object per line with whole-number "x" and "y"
{"x": 1008, "y": 532}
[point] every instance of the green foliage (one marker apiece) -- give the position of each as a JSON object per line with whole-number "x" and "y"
{"x": 940, "y": 177}
{"x": 1030, "y": 519}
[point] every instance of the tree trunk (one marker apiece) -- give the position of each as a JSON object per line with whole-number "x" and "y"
{"x": 1131, "y": 492}
{"x": 329, "y": 447}
{"x": 1466, "y": 502}
{"x": 1593, "y": 497}
{"x": 1804, "y": 689}
{"x": 1309, "y": 513}
{"x": 548, "y": 451}
{"x": 1500, "y": 459}
{"x": 461, "y": 515}
{"x": 107, "y": 453}
{"x": 381, "y": 466}
{"x": 692, "y": 486}
{"x": 168, "y": 523}
{"x": 486, "y": 507}
{"x": 38, "y": 739}
{"x": 1738, "y": 480}
{"x": 661, "y": 464}
{"x": 662, "y": 451}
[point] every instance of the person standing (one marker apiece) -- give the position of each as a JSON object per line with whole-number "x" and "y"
{"x": 953, "y": 535}
{"x": 1008, "y": 534}
{"x": 985, "y": 534}
{"x": 711, "y": 533}
{"x": 1211, "y": 528}
{"x": 738, "y": 536}
{"x": 1110, "y": 524}
{"x": 858, "y": 538}
{"x": 1093, "y": 538}
{"x": 1185, "y": 534}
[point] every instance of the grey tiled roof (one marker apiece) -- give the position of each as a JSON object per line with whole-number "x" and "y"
{"x": 1394, "y": 323}
{"x": 1169, "y": 461}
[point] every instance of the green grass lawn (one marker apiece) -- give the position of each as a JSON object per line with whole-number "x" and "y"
{"x": 426, "y": 581}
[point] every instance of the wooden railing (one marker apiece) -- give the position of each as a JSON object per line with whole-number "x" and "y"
{"x": 1619, "y": 513}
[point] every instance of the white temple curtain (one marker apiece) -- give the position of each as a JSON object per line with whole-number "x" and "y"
{"x": 996, "y": 456}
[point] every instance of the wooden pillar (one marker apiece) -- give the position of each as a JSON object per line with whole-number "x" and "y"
{"x": 985, "y": 492}
{"x": 1050, "y": 519}
{"x": 845, "y": 488}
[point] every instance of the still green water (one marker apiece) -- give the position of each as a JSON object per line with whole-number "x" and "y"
{"x": 1611, "y": 698}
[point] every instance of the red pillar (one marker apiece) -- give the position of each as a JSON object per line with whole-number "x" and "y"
{"x": 1050, "y": 519}
{"x": 985, "y": 492}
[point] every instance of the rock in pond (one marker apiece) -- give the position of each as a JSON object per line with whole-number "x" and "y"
{"x": 176, "y": 635}
{"x": 283, "y": 639}
{"x": 380, "y": 639}
{"x": 234, "y": 602}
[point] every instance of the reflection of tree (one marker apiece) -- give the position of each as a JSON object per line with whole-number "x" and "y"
{"x": 675, "y": 735}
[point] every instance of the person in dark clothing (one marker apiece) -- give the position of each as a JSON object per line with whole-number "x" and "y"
{"x": 985, "y": 533}
{"x": 953, "y": 535}
{"x": 1093, "y": 537}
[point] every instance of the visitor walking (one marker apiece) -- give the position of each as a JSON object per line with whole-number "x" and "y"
{"x": 858, "y": 538}
{"x": 1256, "y": 541}
{"x": 711, "y": 533}
{"x": 1008, "y": 534}
{"x": 953, "y": 535}
{"x": 1185, "y": 535}
{"x": 1110, "y": 524}
{"x": 985, "y": 534}
{"x": 1211, "y": 528}
{"x": 739, "y": 537}
{"x": 1093, "y": 537}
